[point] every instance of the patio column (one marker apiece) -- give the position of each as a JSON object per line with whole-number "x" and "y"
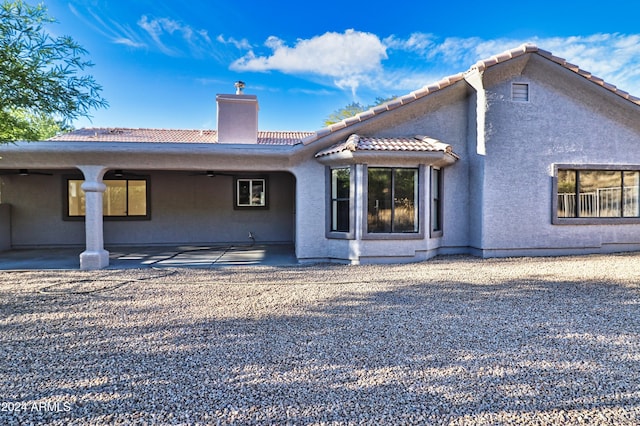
{"x": 94, "y": 256}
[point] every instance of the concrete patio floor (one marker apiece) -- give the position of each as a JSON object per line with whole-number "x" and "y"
{"x": 184, "y": 256}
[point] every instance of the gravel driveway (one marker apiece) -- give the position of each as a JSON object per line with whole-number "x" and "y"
{"x": 454, "y": 340}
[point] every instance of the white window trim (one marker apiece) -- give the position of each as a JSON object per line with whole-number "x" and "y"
{"x": 264, "y": 204}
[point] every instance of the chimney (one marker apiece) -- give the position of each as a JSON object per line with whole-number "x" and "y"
{"x": 239, "y": 85}
{"x": 237, "y": 117}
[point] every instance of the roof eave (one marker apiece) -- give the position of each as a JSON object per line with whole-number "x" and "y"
{"x": 148, "y": 155}
{"x": 431, "y": 158}
{"x": 372, "y": 113}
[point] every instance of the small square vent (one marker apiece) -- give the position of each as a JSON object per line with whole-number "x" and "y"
{"x": 520, "y": 92}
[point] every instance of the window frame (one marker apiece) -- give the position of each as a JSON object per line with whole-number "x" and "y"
{"x": 65, "y": 194}
{"x": 436, "y": 207}
{"x": 419, "y": 205}
{"x": 556, "y": 220}
{"x": 330, "y": 233}
{"x": 236, "y": 193}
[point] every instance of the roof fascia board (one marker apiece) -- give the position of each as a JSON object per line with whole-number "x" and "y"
{"x": 164, "y": 156}
{"x": 435, "y": 158}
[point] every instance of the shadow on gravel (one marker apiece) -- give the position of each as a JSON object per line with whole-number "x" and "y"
{"x": 440, "y": 353}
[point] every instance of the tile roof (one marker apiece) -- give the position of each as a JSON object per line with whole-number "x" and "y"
{"x": 281, "y": 138}
{"x": 172, "y": 135}
{"x": 364, "y": 143}
{"x": 452, "y": 79}
{"x": 293, "y": 138}
{"x": 387, "y": 106}
{"x": 532, "y": 48}
{"x": 137, "y": 135}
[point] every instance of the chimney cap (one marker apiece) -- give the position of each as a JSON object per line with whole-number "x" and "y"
{"x": 239, "y": 85}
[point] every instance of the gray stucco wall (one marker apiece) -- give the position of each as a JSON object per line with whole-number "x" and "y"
{"x": 472, "y": 177}
{"x": 184, "y": 209}
{"x": 36, "y": 204}
{"x": 311, "y": 243}
{"x": 497, "y": 196}
{"x": 5, "y": 227}
{"x": 199, "y": 209}
{"x": 443, "y": 116}
{"x": 567, "y": 120}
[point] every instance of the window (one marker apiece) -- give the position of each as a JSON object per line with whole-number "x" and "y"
{"x": 392, "y": 200}
{"x": 520, "y": 92}
{"x": 123, "y": 198}
{"x": 436, "y": 201}
{"x": 251, "y": 193}
{"x": 597, "y": 194}
{"x": 340, "y": 200}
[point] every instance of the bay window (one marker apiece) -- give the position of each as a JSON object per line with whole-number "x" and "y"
{"x": 340, "y": 200}
{"x": 436, "y": 202}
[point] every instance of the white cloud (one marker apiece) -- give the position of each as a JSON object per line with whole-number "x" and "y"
{"x": 128, "y": 42}
{"x": 155, "y": 28}
{"x": 116, "y": 32}
{"x": 239, "y": 44}
{"x": 356, "y": 60}
{"x": 614, "y": 57}
{"x": 349, "y": 58}
{"x": 417, "y": 42}
{"x": 160, "y": 29}
{"x": 205, "y": 36}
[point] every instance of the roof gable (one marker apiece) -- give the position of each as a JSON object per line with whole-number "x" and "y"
{"x": 479, "y": 66}
{"x": 294, "y": 138}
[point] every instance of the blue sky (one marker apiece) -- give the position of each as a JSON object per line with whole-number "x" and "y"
{"x": 161, "y": 63}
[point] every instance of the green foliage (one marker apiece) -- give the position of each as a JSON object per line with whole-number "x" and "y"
{"x": 42, "y": 78}
{"x": 352, "y": 109}
{"x": 24, "y": 125}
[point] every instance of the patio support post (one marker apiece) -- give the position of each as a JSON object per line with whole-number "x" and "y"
{"x": 94, "y": 256}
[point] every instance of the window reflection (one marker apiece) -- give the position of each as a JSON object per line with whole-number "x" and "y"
{"x": 598, "y": 193}
{"x": 392, "y": 198}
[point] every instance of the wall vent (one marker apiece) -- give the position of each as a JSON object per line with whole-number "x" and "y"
{"x": 520, "y": 92}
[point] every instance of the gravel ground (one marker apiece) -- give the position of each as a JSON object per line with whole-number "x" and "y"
{"x": 454, "y": 340}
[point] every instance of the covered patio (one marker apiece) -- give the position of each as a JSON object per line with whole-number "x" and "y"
{"x": 130, "y": 257}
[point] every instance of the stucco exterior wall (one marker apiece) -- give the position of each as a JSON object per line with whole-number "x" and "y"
{"x": 497, "y": 198}
{"x": 199, "y": 210}
{"x": 311, "y": 244}
{"x": 473, "y": 162}
{"x": 5, "y": 227}
{"x": 184, "y": 209}
{"x": 568, "y": 120}
{"x": 443, "y": 117}
{"x": 446, "y": 118}
{"x": 36, "y": 204}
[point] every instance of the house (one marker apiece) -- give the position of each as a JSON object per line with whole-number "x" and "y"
{"x": 523, "y": 154}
